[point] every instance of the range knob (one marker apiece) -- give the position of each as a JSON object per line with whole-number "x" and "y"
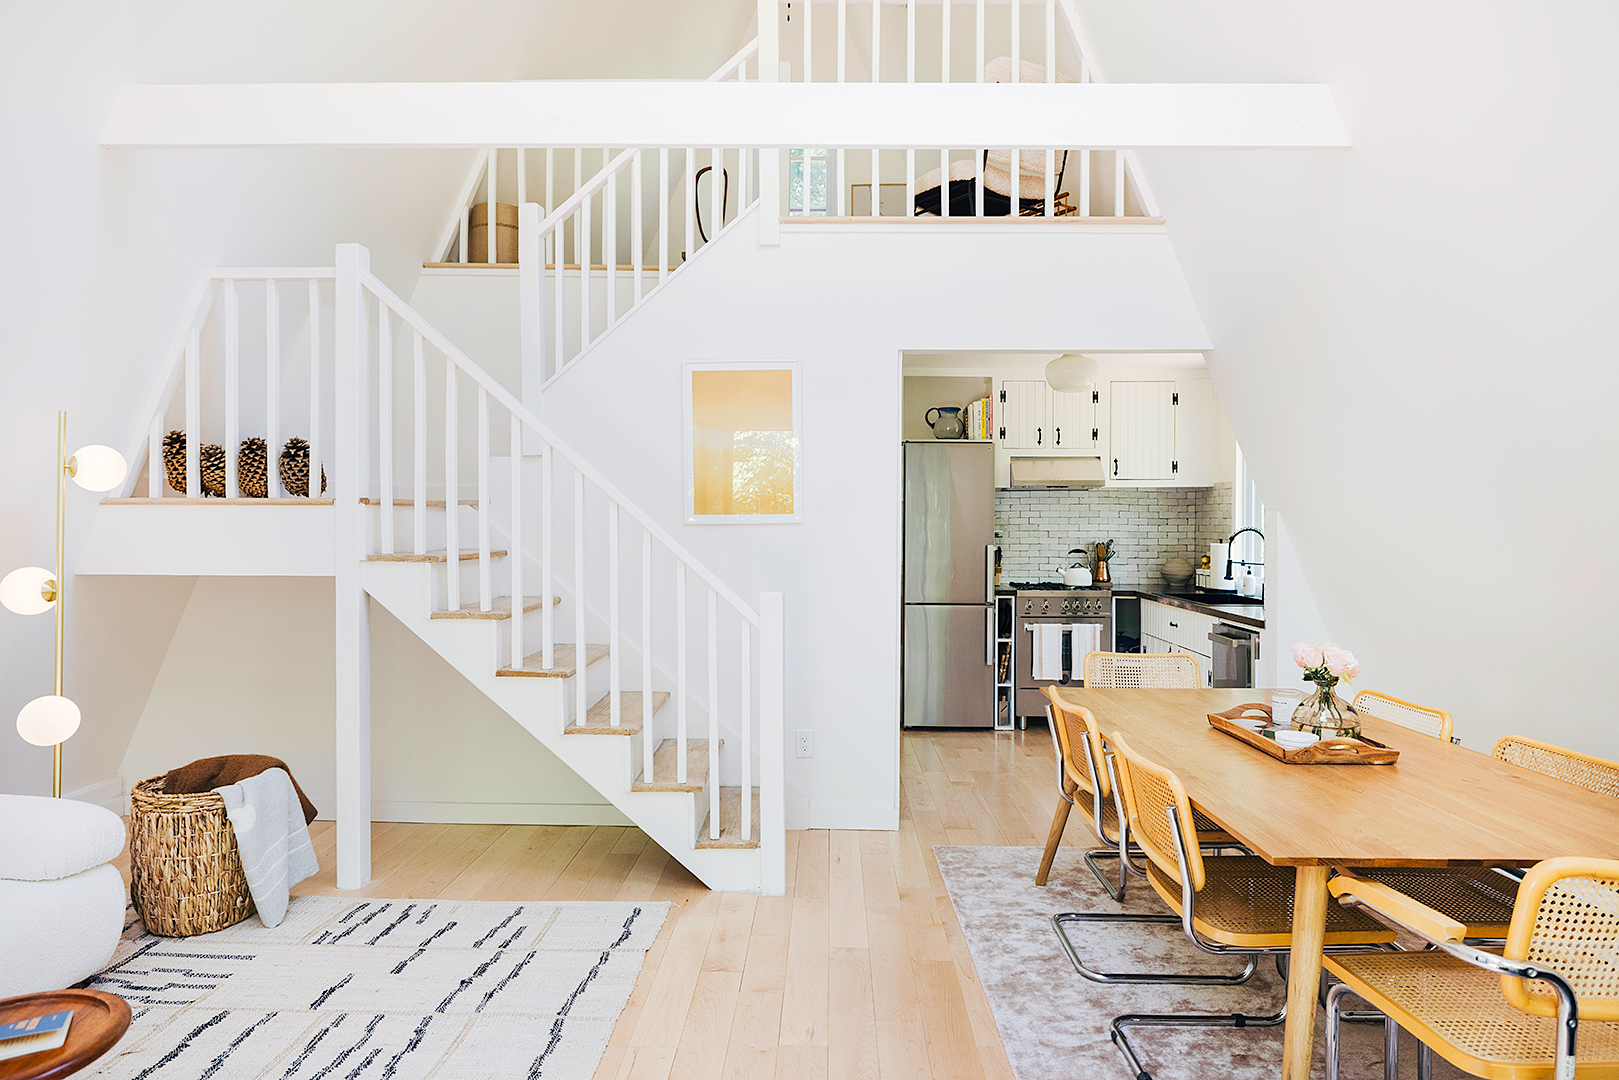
{"x": 1067, "y": 606}
{"x": 1045, "y": 606}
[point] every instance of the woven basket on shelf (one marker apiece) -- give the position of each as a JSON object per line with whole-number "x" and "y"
{"x": 185, "y": 871}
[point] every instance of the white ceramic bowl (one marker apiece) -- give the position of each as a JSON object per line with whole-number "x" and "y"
{"x": 1296, "y": 740}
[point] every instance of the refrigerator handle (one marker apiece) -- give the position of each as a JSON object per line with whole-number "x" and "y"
{"x": 989, "y": 635}
{"x": 989, "y": 605}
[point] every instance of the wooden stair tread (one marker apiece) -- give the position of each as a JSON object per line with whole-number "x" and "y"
{"x": 437, "y": 556}
{"x": 366, "y": 500}
{"x": 181, "y": 500}
{"x": 564, "y": 656}
{"x": 598, "y": 718}
{"x": 664, "y": 765}
{"x": 502, "y": 608}
{"x": 731, "y": 822}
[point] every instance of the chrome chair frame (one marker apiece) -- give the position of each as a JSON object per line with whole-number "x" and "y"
{"x": 1117, "y": 1027}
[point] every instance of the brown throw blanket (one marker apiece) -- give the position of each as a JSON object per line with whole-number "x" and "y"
{"x": 215, "y": 772}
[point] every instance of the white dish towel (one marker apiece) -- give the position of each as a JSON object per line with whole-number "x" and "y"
{"x": 1047, "y": 657}
{"x": 270, "y": 832}
{"x": 1087, "y": 639}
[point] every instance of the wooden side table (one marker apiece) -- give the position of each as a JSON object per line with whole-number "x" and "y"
{"x": 99, "y": 1021}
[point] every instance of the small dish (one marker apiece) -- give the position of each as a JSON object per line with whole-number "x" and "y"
{"x": 1296, "y": 740}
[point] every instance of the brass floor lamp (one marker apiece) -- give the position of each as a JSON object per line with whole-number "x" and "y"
{"x": 32, "y": 590}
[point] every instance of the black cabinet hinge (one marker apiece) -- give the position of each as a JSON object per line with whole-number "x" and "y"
{"x": 1174, "y": 466}
{"x": 1003, "y": 434}
{"x": 1096, "y": 396}
{"x": 1174, "y": 399}
{"x": 1003, "y": 395}
{"x": 1093, "y": 434}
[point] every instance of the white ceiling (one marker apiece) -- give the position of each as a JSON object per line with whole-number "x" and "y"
{"x": 983, "y": 360}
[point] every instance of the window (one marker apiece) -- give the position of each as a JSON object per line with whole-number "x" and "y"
{"x": 1248, "y": 513}
{"x": 806, "y": 198}
{"x": 742, "y": 442}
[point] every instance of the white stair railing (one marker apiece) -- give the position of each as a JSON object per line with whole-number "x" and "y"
{"x": 742, "y": 675}
{"x": 219, "y": 387}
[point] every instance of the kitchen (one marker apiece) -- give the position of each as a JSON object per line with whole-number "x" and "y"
{"x": 1056, "y": 504}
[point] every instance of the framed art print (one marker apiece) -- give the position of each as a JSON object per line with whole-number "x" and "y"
{"x": 743, "y": 425}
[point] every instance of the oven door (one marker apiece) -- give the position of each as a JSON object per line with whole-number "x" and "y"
{"x": 1030, "y": 700}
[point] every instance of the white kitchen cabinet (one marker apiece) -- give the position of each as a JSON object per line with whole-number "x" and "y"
{"x": 1142, "y": 435}
{"x": 1034, "y": 418}
{"x": 1172, "y": 629}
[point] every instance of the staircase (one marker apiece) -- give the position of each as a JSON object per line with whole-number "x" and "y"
{"x": 632, "y": 662}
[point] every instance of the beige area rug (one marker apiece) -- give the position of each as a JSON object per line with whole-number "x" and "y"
{"x": 349, "y": 989}
{"x": 1054, "y": 1023}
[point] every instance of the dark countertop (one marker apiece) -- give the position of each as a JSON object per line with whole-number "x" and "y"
{"x": 1252, "y": 615}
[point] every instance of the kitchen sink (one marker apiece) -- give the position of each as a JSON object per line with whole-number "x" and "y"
{"x": 1212, "y": 597}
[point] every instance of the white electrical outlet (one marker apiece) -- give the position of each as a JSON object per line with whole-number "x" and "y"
{"x": 806, "y": 742}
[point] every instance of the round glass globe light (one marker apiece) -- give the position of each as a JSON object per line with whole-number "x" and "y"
{"x": 48, "y": 720}
{"x": 1072, "y": 372}
{"x": 99, "y": 468}
{"x": 20, "y": 590}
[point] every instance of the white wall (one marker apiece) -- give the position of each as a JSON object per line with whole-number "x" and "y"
{"x": 1414, "y": 338}
{"x": 106, "y": 245}
{"x": 250, "y": 671}
{"x": 846, "y": 301}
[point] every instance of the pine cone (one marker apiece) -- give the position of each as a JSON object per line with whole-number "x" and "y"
{"x": 174, "y": 460}
{"x": 253, "y": 469}
{"x": 294, "y": 469}
{"x": 211, "y": 460}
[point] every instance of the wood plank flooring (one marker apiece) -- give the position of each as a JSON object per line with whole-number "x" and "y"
{"x": 860, "y": 971}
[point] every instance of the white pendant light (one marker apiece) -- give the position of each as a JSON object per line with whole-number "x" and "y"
{"x": 48, "y": 720}
{"x": 97, "y": 468}
{"x": 1071, "y": 373}
{"x": 28, "y": 590}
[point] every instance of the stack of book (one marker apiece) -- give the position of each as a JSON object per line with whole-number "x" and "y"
{"x": 34, "y": 1035}
{"x": 980, "y": 420}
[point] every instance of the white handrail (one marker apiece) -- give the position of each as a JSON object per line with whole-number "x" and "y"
{"x": 740, "y": 57}
{"x": 515, "y": 407}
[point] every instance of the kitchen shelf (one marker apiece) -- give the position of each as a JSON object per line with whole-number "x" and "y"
{"x": 1005, "y": 662}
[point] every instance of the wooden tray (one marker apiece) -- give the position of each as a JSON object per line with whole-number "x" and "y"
{"x": 1362, "y": 751}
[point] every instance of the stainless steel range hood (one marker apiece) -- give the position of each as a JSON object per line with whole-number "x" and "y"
{"x": 1057, "y": 472}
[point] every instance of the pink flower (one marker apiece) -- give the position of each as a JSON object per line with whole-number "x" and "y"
{"x": 1307, "y": 655}
{"x": 1340, "y": 662}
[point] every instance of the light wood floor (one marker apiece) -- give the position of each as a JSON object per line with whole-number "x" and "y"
{"x": 860, "y": 971}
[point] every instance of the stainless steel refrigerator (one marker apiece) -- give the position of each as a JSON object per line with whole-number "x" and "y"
{"x": 948, "y": 671}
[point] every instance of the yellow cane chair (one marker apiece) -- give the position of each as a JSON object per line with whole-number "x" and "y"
{"x": 1144, "y": 671}
{"x": 1545, "y": 1008}
{"x": 1435, "y": 722}
{"x": 1226, "y": 904}
{"x": 1083, "y": 771}
{"x": 1591, "y": 773}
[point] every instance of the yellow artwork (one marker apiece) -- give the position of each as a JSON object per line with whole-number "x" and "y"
{"x": 744, "y": 443}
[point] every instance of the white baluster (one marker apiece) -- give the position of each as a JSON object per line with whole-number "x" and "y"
{"x": 690, "y": 199}
{"x": 978, "y": 76}
{"x": 463, "y": 253}
{"x": 1016, "y": 18}
{"x": 647, "y": 746}
{"x": 516, "y": 555}
{"x": 610, "y": 244}
{"x": 578, "y": 182}
{"x": 581, "y": 649}
{"x": 663, "y": 215}
{"x": 551, "y": 193}
{"x": 910, "y": 77}
{"x": 843, "y": 37}
{"x": 272, "y": 388}
{"x": 522, "y": 178}
{"x": 493, "y": 168}
{"x": 1084, "y": 183}
{"x": 452, "y": 496}
{"x": 772, "y": 760}
{"x": 194, "y": 414}
{"x": 637, "y": 252}
{"x": 419, "y": 446}
{"x": 876, "y": 76}
{"x": 716, "y": 192}
{"x": 1118, "y": 183}
{"x": 385, "y": 426}
{"x": 586, "y": 260}
{"x": 944, "y": 77}
{"x": 713, "y": 714}
{"x": 486, "y": 593}
{"x": 154, "y": 458}
{"x": 233, "y": 391}
{"x": 548, "y": 628}
{"x": 1051, "y": 78}
{"x": 314, "y": 389}
{"x": 614, "y": 686}
{"x": 559, "y": 308}
{"x": 809, "y": 69}
{"x": 681, "y": 688}
{"x": 744, "y": 727}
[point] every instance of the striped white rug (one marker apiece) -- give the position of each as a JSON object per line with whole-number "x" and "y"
{"x": 351, "y": 989}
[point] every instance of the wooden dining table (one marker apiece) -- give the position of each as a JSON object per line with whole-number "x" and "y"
{"x": 1439, "y": 805}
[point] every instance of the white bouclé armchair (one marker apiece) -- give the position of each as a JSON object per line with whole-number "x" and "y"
{"x": 62, "y": 903}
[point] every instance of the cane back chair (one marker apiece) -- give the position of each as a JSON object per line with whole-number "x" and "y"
{"x": 1145, "y": 671}
{"x": 1225, "y": 904}
{"x": 1434, "y": 722}
{"x": 1592, "y": 773}
{"x": 1545, "y": 1008}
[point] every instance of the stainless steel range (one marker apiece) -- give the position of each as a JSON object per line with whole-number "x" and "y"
{"x": 1058, "y": 607}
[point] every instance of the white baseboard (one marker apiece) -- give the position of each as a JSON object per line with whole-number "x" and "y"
{"x": 108, "y": 793}
{"x": 853, "y": 817}
{"x": 454, "y": 813}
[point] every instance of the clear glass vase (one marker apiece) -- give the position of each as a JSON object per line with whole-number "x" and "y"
{"x": 1324, "y": 713}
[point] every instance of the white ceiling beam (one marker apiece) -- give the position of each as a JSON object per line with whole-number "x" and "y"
{"x": 625, "y": 114}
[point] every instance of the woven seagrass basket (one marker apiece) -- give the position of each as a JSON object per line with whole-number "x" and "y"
{"x": 185, "y": 871}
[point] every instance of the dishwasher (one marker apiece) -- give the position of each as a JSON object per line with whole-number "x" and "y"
{"x": 1235, "y": 650}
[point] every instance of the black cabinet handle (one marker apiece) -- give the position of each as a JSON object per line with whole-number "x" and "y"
{"x": 1115, "y": 466}
{"x": 1037, "y": 436}
{"x": 1176, "y": 625}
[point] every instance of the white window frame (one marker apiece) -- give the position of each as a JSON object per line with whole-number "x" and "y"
{"x": 808, "y": 157}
